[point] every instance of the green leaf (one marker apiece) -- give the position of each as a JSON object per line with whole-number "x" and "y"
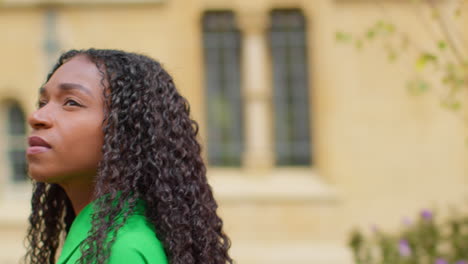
{"x": 383, "y": 26}
{"x": 425, "y": 59}
{"x": 344, "y": 37}
{"x": 446, "y": 80}
{"x": 442, "y": 45}
{"x": 421, "y": 63}
{"x": 359, "y": 44}
{"x": 422, "y": 87}
{"x": 370, "y": 33}
{"x": 380, "y": 24}
{"x": 392, "y": 55}
{"x": 417, "y": 87}
{"x": 454, "y": 106}
{"x": 451, "y": 103}
{"x": 390, "y": 28}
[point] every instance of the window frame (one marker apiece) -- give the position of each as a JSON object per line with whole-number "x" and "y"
{"x": 11, "y": 188}
{"x": 235, "y": 143}
{"x": 284, "y": 32}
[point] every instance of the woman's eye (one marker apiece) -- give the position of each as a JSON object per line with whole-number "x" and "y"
{"x": 71, "y": 102}
{"x": 41, "y": 104}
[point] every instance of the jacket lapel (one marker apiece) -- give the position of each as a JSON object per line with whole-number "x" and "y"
{"x": 78, "y": 232}
{"x": 80, "y": 229}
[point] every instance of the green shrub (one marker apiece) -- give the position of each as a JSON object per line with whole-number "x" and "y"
{"x": 424, "y": 241}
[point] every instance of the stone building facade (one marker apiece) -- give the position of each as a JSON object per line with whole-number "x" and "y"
{"x": 305, "y": 138}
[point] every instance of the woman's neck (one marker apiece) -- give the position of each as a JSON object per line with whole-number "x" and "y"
{"x": 80, "y": 194}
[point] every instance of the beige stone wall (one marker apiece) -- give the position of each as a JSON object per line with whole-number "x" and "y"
{"x": 381, "y": 153}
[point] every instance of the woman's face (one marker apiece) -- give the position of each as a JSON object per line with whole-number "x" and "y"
{"x": 66, "y": 138}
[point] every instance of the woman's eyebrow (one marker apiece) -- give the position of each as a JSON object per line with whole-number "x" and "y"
{"x": 68, "y": 87}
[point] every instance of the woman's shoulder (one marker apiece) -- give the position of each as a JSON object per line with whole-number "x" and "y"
{"x": 136, "y": 242}
{"x": 137, "y": 227}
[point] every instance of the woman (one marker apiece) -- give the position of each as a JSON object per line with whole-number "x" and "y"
{"x": 118, "y": 175}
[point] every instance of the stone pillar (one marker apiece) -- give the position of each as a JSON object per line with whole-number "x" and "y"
{"x": 256, "y": 91}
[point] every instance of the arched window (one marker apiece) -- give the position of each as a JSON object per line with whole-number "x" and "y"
{"x": 221, "y": 42}
{"x": 16, "y": 141}
{"x": 290, "y": 88}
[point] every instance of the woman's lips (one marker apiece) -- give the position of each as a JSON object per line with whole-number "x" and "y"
{"x": 37, "y": 145}
{"x": 36, "y": 150}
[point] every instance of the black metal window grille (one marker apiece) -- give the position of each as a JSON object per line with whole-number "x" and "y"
{"x": 16, "y": 128}
{"x": 290, "y": 85}
{"x": 51, "y": 40}
{"x": 221, "y": 42}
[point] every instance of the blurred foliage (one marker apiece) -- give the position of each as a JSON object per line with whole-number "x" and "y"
{"x": 446, "y": 57}
{"x": 424, "y": 241}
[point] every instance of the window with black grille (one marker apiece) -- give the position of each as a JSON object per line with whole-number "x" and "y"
{"x": 290, "y": 88}
{"x": 51, "y": 43}
{"x": 221, "y": 41}
{"x": 16, "y": 128}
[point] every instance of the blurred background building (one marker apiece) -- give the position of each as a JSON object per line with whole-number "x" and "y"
{"x": 305, "y": 138}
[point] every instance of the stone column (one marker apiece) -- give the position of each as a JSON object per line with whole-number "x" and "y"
{"x": 256, "y": 91}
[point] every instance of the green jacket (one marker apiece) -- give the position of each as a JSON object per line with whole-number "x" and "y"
{"x": 136, "y": 242}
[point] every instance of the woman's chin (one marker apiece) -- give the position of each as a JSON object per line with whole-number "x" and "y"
{"x": 43, "y": 177}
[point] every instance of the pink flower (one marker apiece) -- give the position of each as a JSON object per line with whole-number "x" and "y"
{"x": 404, "y": 248}
{"x": 407, "y": 221}
{"x": 426, "y": 214}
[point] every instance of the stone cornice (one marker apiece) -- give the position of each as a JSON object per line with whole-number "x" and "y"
{"x": 32, "y": 3}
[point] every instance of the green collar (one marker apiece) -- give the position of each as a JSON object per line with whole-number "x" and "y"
{"x": 81, "y": 227}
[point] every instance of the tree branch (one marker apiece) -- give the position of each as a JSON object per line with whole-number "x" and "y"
{"x": 448, "y": 36}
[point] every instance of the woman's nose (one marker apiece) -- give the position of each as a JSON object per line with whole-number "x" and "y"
{"x": 40, "y": 119}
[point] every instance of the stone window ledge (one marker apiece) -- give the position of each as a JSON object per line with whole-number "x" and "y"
{"x": 229, "y": 185}
{"x": 279, "y": 185}
{"x": 296, "y": 252}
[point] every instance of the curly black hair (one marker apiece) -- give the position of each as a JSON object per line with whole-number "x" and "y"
{"x": 150, "y": 152}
